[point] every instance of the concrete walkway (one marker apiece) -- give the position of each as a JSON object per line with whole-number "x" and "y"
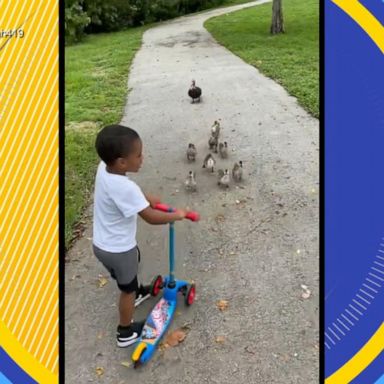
{"x": 255, "y": 245}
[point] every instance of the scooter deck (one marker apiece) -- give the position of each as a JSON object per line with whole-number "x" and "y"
{"x": 155, "y": 326}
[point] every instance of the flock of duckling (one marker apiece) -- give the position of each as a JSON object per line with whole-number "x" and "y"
{"x": 224, "y": 178}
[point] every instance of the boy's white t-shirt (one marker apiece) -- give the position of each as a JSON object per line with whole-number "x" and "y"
{"x": 117, "y": 201}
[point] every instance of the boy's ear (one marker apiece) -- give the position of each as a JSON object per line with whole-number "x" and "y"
{"x": 120, "y": 161}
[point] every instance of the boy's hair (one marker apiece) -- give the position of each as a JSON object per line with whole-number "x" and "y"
{"x": 115, "y": 141}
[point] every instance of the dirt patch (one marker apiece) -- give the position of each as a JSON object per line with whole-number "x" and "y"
{"x": 83, "y": 126}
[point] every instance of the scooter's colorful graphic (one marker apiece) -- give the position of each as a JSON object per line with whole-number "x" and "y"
{"x": 161, "y": 316}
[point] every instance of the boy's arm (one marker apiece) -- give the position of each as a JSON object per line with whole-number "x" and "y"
{"x": 152, "y": 199}
{"x": 154, "y": 216}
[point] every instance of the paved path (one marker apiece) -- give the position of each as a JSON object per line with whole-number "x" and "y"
{"x": 255, "y": 245}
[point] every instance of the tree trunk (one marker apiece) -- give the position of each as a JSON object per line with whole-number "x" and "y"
{"x": 277, "y": 25}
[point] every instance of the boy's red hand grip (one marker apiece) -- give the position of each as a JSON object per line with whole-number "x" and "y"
{"x": 163, "y": 207}
{"x": 193, "y": 216}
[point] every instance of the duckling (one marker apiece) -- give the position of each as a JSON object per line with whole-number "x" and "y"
{"x": 237, "y": 171}
{"x": 194, "y": 92}
{"x": 209, "y": 162}
{"x": 224, "y": 178}
{"x": 223, "y": 150}
{"x": 215, "y": 129}
{"x": 191, "y": 152}
{"x": 212, "y": 143}
{"x": 190, "y": 182}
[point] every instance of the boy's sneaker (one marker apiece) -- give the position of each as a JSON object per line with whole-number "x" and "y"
{"x": 142, "y": 294}
{"x": 129, "y": 335}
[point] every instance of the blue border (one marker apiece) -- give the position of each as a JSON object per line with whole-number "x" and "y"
{"x": 353, "y": 189}
{"x": 14, "y": 374}
{"x": 4, "y": 380}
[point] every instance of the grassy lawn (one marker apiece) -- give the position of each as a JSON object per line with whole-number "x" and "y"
{"x": 96, "y": 74}
{"x": 291, "y": 59}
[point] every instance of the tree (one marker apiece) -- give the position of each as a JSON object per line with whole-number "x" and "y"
{"x": 277, "y": 25}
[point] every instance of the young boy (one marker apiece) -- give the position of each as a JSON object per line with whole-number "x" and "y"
{"x": 117, "y": 202}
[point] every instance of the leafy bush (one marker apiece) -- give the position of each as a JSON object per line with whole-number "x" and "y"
{"x": 163, "y": 10}
{"x": 91, "y": 16}
{"x": 75, "y": 20}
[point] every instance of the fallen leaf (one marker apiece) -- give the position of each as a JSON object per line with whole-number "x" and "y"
{"x": 100, "y": 371}
{"x": 220, "y": 339}
{"x": 250, "y": 350}
{"x": 307, "y": 293}
{"x": 222, "y": 305}
{"x": 186, "y": 327}
{"x": 163, "y": 346}
{"x": 175, "y": 337}
{"x": 126, "y": 363}
{"x": 219, "y": 218}
{"x": 102, "y": 282}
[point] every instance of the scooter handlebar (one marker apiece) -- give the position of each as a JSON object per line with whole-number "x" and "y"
{"x": 191, "y": 215}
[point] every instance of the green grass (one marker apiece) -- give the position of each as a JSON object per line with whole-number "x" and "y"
{"x": 96, "y": 74}
{"x": 291, "y": 59}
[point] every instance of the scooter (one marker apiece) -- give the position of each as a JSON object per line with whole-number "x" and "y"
{"x": 161, "y": 316}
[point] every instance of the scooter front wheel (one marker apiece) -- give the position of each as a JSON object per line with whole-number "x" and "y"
{"x": 190, "y": 297}
{"x": 138, "y": 352}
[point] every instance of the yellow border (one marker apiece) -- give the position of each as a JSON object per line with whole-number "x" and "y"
{"x": 365, "y": 19}
{"x": 360, "y": 361}
{"x": 24, "y": 359}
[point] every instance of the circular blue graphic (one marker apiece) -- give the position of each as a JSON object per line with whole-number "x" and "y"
{"x": 354, "y": 188}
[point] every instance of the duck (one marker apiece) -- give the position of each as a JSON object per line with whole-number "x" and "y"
{"x": 191, "y": 152}
{"x": 212, "y": 143}
{"x": 237, "y": 171}
{"x": 215, "y": 129}
{"x": 194, "y": 92}
{"x": 224, "y": 178}
{"x": 223, "y": 150}
{"x": 209, "y": 162}
{"x": 190, "y": 182}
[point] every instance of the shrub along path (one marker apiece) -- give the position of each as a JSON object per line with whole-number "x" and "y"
{"x": 254, "y": 246}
